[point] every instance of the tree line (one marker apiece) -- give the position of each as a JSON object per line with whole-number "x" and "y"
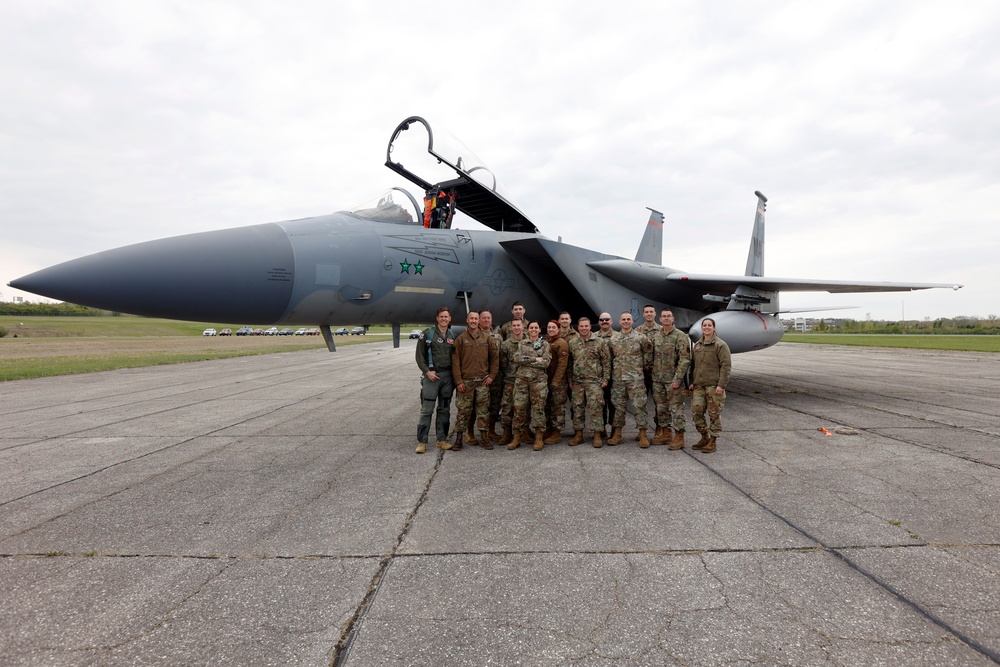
{"x": 50, "y": 309}
{"x": 942, "y": 325}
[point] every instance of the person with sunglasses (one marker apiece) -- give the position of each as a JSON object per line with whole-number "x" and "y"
{"x": 606, "y": 333}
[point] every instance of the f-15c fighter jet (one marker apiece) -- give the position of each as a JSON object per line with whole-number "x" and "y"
{"x": 399, "y": 259}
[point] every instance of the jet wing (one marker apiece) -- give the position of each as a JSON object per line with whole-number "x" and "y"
{"x": 693, "y": 290}
{"x": 723, "y": 285}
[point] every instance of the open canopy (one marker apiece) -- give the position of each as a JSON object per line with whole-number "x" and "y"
{"x": 476, "y": 190}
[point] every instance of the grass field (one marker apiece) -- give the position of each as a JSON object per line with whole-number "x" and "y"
{"x": 915, "y": 341}
{"x": 46, "y": 346}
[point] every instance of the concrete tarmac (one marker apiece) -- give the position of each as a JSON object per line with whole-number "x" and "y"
{"x": 271, "y": 511}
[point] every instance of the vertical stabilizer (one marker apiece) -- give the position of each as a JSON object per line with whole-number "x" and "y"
{"x": 651, "y": 246}
{"x": 755, "y": 258}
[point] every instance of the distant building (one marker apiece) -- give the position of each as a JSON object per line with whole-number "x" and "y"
{"x": 799, "y": 324}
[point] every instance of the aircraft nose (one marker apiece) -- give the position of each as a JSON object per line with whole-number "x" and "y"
{"x": 242, "y": 275}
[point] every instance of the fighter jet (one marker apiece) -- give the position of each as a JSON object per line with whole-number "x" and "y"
{"x": 397, "y": 260}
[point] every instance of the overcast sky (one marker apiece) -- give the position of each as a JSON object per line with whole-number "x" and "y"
{"x": 873, "y": 127}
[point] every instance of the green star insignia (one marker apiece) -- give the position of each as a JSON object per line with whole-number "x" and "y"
{"x": 418, "y": 268}
{"x": 405, "y": 266}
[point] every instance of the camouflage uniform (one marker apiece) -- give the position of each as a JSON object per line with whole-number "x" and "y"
{"x": 505, "y": 329}
{"x": 591, "y": 367}
{"x": 555, "y": 408}
{"x": 609, "y": 407}
{"x": 508, "y": 368}
{"x": 630, "y": 353}
{"x": 711, "y": 366}
{"x": 569, "y": 336}
{"x": 532, "y": 384}
{"x": 671, "y": 359}
{"x": 433, "y": 353}
{"x": 647, "y": 329}
{"x": 475, "y": 358}
{"x": 496, "y": 389}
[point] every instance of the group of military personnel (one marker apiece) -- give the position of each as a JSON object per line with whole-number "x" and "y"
{"x": 520, "y": 378}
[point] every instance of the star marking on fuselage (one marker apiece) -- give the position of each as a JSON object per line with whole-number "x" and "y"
{"x": 405, "y": 265}
{"x": 498, "y": 281}
{"x": 418, "y": 268}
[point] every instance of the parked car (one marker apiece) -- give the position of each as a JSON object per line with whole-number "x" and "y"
{"x": 286, "y": 332}
{"x": 314, "y": 331}
{"x": 342, "y": 331}
{"x": 415, "y": 333}
{"x": 273, "y": 331}
{"x": 244, "y": 331}
{"x": 226, "y": 332}
{"x": 358, "y": 331}
{"x": 257, "y": 332}
{"x": 301, "y": 331}
{"x": 209, "y": 332}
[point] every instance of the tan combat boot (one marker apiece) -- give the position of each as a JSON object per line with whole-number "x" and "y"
{"x": 507, "y": 435}
{"x": 663, "y": 435}
{"x": 421, "y": 447}
{"x": 616, "y": 436}
{"x": 576, "y": 439}
{"x": 701, "y": 443}
{"x": 470, "y": 436}
{"x": 457, "y": 445}
{"x": 554, "y": 437}
{"x": 643, "y": 440}
{"x": 484, "y": 438}
{"x": 710, "y": 447}
{"x": 539, "y": 440}
{"x": 443, "y": 444}
{"x": 677, "y": 442}
{"x": 515, "y": 441}
{"x": 597, "y": 439}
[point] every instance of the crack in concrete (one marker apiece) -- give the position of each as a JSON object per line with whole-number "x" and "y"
{"x": 511, "y": 552}
{"x": 877, "y": 430}
{"x": 343, "y": 648}
{"x": 871, "y": 576}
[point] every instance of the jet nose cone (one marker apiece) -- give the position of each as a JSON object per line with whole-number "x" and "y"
{"x": 242, "y": 275}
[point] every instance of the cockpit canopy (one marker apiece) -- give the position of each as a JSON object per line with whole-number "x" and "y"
{"x": 395, "y": 205}
{"x": 473, "y": 189}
